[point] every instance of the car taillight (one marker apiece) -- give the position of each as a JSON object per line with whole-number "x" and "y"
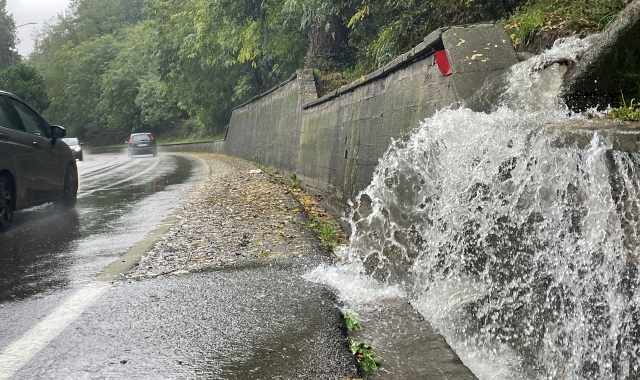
{"x": 151, "y": 137}
{"x": 130, "y": 138}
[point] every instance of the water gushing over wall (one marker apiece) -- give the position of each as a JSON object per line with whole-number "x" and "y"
{"x": 517, "y": 244}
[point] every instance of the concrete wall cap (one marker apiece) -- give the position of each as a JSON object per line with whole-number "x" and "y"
{"x": 433, "y": 37}
{"x": 420, "y": 48}
{"x": 347, "y": 87}
{"x": 470, "y": 50}
{"x": 395, "y": 64}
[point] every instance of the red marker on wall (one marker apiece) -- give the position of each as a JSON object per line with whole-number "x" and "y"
{"x": 443, "y": 62}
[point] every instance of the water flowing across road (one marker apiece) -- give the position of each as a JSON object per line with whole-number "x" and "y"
{"x": 521, "y": 250}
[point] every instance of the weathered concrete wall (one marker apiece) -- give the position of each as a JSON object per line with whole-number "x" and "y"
{"x": 345, "y": 133}
{"x": 266, "y": 129}
{"x": 333, "y": 144}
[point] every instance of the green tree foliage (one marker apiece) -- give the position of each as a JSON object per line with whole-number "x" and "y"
{"x": 7, "y": 36}
{"x": 73, "y": 79}
{"x": 250, "y": 35}
{"x": 132, "y": 96}
{"x": 213, "y": 55}
{"x": 197, "y": 87}
{"x": 117, "y": 66}
{"x": 26, "y": 83}
{"x": 325, "y": 24}
{"x": 52, "y": 37}
{"x": 73, "y": 53}
{"x": 95, "y": 18}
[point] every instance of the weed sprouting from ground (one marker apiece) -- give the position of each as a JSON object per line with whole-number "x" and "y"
{"x": 367, "y": 360}
{"x": 352, "y": 322}
{"x": 293, "y": 182}
{"x": 245, "y": 241}
{"x": 329, "y": 237}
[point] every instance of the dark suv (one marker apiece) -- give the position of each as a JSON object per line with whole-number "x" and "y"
{"x": 141, "y": 143}
{"x": 36, "y": 166}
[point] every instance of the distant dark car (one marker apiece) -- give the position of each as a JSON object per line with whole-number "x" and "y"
{"x": 141, "y": 143}
{"x": 76, "y": 147}
{"x": 35, "y": 166}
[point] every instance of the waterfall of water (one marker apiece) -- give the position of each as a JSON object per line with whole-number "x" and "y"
{"x": 519, "y": 247}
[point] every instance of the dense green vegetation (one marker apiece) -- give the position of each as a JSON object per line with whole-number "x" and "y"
{"x": 177, "y": 67}
{"x": 27, "y": 83}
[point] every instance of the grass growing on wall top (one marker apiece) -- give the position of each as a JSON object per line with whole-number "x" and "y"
{"x": 548, "y": 20}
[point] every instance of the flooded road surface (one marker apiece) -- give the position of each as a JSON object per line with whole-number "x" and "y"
{"x": 120, "y": 199}
{"x": 240, "y": 323}
{"x": 258, "y": 320}
{"x": 47, "y": 254}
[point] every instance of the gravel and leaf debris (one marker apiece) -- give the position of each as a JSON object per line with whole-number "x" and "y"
{"x": 237, "y": 213}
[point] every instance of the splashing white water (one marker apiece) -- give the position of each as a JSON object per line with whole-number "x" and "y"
{"x": 515, "y": 243}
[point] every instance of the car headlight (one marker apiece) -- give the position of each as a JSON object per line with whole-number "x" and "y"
{"x": 77, "y": 149}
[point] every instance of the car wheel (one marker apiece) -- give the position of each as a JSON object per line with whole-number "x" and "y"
{"x": 6, "y": 201}
{"x": 70, "y": 194}
{"x": 80, "y": 158}
{"x": 155, "y": 153}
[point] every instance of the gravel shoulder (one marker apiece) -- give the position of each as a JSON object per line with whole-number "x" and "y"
{"x": 237, "y": 213}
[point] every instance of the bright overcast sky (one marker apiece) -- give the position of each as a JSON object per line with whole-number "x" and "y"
{"x": 38, "y": 11}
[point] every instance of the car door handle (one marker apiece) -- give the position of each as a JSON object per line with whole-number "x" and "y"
{"x": 35, "y": 143}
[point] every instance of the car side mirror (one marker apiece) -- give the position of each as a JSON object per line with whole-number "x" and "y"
{"x": 57, "y": 132}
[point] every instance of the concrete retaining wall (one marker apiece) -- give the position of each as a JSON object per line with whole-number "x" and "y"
{"x": 333, "y": 144}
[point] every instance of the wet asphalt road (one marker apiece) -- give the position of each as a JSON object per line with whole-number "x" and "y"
{"x": 120, "y": 199}
{"x": 197, "y": 326}
{"x": 247, "y": 322}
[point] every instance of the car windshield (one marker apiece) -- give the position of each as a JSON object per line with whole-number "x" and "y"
{"x": 138, "y": 138}
{"x": 71, "y": 141}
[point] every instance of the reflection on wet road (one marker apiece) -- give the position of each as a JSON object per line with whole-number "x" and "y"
{"x": 201, "y": 326}
{"x": 261, "y": 320}
{"x": 119, "y": 201}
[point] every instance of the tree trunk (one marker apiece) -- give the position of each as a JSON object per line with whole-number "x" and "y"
{"x": 327, "y": 44}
